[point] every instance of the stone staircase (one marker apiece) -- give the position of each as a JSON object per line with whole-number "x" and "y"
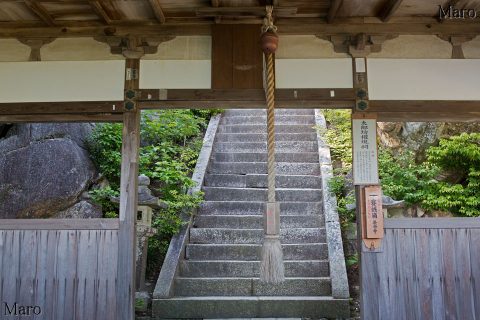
{"x": 218, "y": 275}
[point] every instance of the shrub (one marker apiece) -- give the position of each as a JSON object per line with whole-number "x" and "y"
{"x": 170, "y": 143}
{"x": 460, "y": 154}
{"x": 403, "y": 179}
{"x": 102, "y": 197}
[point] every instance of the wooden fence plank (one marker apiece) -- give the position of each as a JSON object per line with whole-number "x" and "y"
{"x": 111, "y": 269}
{"x": 391, "y": 269}
{"x": 474, "y": 265}
{"x": 424, "y": 279}
{"x": 3, "y": 235}
{"x": 27, "y": 268}
{"x": 400, "y": 311}
{"x": 370, "y": 303}
{"x": 449, "y": 273}
{"x": 463, "y": 275}
{"x": 101, "y": 284}
{"x": 11, "y": 262}
{"x": 436, "y": 271}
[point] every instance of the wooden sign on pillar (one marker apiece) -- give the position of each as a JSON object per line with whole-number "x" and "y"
{"x": 372, "y": 217}
{"x": 364, "y": 147}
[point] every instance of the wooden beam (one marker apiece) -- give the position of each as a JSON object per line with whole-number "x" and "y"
{"x": 388, "y": 11}
{"x": 61, "y": 117}
{"x": 424, "y": 106}
{"x": 244, "y": 11}
{"x": 442, "y": 223}
{"x": 242, "y": 104}
{"x": 51, "y": 108}
{"x": 297, "y": 26}
{"x": 244, "y": 98}
{"x": 419, "y": 111}
{"x": 40, "y": 11}
{"x": 59, "y": 224}
{"x": 428, "y": 116}
{"x": 157, "y": 9}
{"x": 243, "y": 94}
{"x": 333, "y": 11}
{"x": 98, "y": 8}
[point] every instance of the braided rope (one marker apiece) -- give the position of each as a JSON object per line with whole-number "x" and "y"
{"x": 270, "y": 95}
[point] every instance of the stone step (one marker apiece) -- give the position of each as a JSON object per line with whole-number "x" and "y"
{"x": 279, "y": 119}
{"x": 262, "y": 128}
{"x": 263, "y": 112}
{"x": 251, "y": 287}
{"x": 256, "y": 221}
{"x": 250, "y": 269}
{"x": 252, "y": 194}
{"x": 293, "y": 157}
{"x": 260, "y": 181}
{"x": 258, "y": 208}
{"x": 261, "y": 137}
{"x": 255, "y": 236}
{"x": 251, "y": 252}
{"x": 281, "y": 168}
{"x": 281, "y": 146}
{"x": 251, "y": 307}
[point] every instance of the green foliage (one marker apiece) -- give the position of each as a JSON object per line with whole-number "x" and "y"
{"x": 337, "y": 185}
{"x": 352, "y": 260}
{"x": 460, "y": 154}
{"x": 105, "y": 145}
{"x": 102, "y": 198}
{"x": 404, "y": 179}
{"x": 339, "y": 136}
{"x": 170, "y": 143}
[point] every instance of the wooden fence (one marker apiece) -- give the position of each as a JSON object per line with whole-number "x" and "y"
{"x": 61, "y": 269}
{"x": 426, "y": 269}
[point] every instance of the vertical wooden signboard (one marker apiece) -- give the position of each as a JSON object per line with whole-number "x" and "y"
{"x": 364, "y": 138}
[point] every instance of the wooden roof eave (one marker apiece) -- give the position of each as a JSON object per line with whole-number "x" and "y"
{"x": 286, "y": 26}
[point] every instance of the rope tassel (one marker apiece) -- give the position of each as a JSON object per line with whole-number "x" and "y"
{"x": 272, "y": 269}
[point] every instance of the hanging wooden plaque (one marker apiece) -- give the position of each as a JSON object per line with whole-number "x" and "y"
{"x": 373, "y": 212}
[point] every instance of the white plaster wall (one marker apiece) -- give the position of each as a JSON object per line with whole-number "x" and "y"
{"x": 175, "y": 74}
{"x": 184, "y": 48}
{"x": 77, "y": 49}
{"x": 414, "y": 47}
{"x": 314, "y": 73}
{"x": 306, "y": 47}
{"x": 13, "y": 50}
{"x": 422, "y": 79}
{"x": 471, "y": 49}
{"x": 55, "y": 81}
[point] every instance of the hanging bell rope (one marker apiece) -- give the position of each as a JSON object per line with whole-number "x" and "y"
{"x": 272, "y": 269}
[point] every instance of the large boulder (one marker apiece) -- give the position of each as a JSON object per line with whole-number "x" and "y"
{"x": 77, "y": 132}
{"x": 44, "y": 169}
{"x": 414, "y": 136}
{"x": 82, "y": 209}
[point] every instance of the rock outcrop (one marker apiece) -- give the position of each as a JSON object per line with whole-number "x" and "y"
{"x": 44, "y": 168}
{"x": 414, "y": 136}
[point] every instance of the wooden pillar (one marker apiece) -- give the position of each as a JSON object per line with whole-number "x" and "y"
{"x": 360, "y": 85}
{"x": 128, "y": 197}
